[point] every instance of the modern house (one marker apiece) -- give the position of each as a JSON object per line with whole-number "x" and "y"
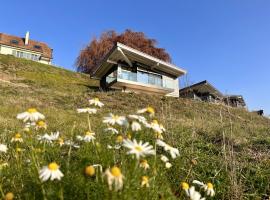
{"x": 128, "y": 69}
{"x": 25, "y": 48}
{"x": 202, "y": 91}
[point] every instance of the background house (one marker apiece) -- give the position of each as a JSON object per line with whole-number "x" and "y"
{"x": 128, "y": 69}
{"x": 203, "y": 91}
{"x": 235, "y": 101}
{"x": 25, "y": 48}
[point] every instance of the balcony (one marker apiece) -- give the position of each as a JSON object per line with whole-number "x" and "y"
{"x": 140, "y": 81}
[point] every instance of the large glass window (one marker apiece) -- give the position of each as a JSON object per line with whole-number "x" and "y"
{"x": 155, "y": 79}
{"x": 128, "y": 75}
{"x": 25, "y": 55}
{"x": 142, "y": 77}
{"x": 145, "y": 77}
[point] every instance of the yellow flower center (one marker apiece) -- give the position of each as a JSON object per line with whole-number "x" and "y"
{"x": 18, "y": 149}
{"x": 41, "y": 123}
{"x": 129, "y": 136}
{"x": 90, "y": 170}
{"x": 9, "y": 196}
{"x": 119, "y": 139}
{"x": 155, "y": 121}
{"x": 185, "y": 185}
{"x": 53, "y": 166}
{"x": 88, "y": 133}
{"x": 115, "y": 117}
{"x": 61, "y": 141}
{"x": 96, "y": 99}
{"x": 158, "y": 135}
{"x": 138, "y": 148}
{"x": 18, "y": 136}
{"x": 210, "y": 185}
{"x": 145, "y": 179}
{"x": 116, "y": 171}
{"x": 144, "y": 162}
{"x": 150, "y": 110}
{"x": 32, "y": 110}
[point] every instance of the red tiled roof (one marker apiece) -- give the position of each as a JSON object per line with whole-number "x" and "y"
{"x": 45, "y": 50}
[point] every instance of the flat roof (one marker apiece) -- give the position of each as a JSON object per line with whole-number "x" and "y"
{"x": 121, "y": 52}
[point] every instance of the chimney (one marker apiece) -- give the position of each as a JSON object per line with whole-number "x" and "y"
{"x": 26, "y": 40}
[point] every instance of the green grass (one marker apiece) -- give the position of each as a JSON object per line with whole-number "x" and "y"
{"x": 226, "y": 146}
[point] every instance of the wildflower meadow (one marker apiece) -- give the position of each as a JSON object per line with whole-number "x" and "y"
{"x": 128, "y": 158}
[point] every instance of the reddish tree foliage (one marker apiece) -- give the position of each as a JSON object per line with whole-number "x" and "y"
{"x": 91, "y": 56}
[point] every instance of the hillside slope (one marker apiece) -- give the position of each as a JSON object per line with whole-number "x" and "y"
{"x": 229, "y": 147}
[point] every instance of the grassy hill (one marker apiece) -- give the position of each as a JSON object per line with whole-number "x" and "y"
{"x": 226, "y": 146}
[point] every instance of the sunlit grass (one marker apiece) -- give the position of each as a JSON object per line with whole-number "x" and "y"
{"x": 227, "y": 147}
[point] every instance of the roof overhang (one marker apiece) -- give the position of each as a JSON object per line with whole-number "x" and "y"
{"x": 121, "y": 52}
{"x": 202, "y": 87}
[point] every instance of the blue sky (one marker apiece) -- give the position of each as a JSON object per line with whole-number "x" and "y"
{"x": 226, "y": 42}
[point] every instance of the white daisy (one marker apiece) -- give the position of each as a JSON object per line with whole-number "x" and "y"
{"x": 145, "y": 181}
{"x": 116, "y": 147}
{"x": 17, "y": 138}
{"x": 96, "y": 102}
{"x": 114, "y": 178}
{"x": 3, "y": 148}
{"x": 111, "y": 129}
{"x": 71, "y": 143}
{"x": 31, "y": 115}
{"x": 50, "y": 172}
{"x": 168, "y": 165}
{"x": 139, "y": 149}
{"x": 87, "y": 110}
{"x": 135, "y": 126}
{"x": 144, "y": 164}
{"x": 173, "y": 151}
{"x": 115, "y": 119}
{"x": 40, "y": 125}
{"x": 193, "y": 194}
{"x": 49, "y": 138}
{"x": 164, "y": 158}
{"x": 156, "y": 127}
{"x": 88, "y": 137}
{"x": 209, "y": 188}
{"x": 149, "y": 110}
{"x": 137, "y": 117}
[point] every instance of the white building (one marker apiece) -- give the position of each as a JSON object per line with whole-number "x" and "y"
{"x": 25, "y": 48}
{"x": 128, "y": 69}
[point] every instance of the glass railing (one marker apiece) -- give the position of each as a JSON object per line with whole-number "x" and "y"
{"x": 146, "y": 78}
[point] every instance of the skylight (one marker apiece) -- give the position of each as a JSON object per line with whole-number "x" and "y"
{"x": 14, "y": 41}
{"x": 37, "y": 47}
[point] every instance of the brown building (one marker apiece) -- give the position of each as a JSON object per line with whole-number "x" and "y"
{"x": 23, "y": 47}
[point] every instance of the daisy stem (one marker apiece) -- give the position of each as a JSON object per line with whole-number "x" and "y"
{"x": 70, "y": 147}
{"x": 89, "y": 124}
{"x": 2, "y": 193}
{"x": 155, "y": 161}
{"x": 61, "y": 195}
{"x": 37, "y": 168}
